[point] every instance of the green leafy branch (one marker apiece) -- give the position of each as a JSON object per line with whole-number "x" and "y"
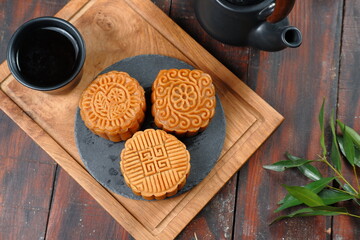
{"x": 320, "y": 194}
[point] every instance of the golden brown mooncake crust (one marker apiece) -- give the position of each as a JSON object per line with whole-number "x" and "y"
{"x": 113, "y": 106}
{"x": 183, "y": 101}
{"x": 155, "y": 164}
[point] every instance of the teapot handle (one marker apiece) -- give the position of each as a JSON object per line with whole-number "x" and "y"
{"x": 282, "y": 9}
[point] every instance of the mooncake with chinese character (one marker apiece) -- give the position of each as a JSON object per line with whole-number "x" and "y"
{"x": 183, "y": 101}
{"x": 113, "y": 106}
{"x": 155, "y": 164}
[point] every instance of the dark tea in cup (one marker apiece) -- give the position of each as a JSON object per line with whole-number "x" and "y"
{"x": 47, "y": 54}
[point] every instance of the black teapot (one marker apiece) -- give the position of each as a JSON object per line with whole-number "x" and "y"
{"x": 261, "y": 24}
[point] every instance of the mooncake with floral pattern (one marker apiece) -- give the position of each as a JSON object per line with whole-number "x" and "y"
{"x": 183, "y": 101}
{"x": 113, "y": 106}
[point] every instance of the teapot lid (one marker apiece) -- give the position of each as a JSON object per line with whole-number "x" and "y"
{"x": 244, "y": 2}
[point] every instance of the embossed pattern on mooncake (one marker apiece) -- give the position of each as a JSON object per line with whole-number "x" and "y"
{"x": 155, "y": 164}
{"x": 183, "y": 101}
{"x": 113, "y": 106}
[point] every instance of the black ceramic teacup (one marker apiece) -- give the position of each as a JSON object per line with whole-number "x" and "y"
{"x": 47, "y": 54}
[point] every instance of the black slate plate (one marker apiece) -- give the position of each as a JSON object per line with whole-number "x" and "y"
{"x": 102, "y": 157}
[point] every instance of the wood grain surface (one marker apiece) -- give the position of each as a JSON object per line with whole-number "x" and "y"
{"x": 349, "y": 103}
{"x": 296, "y": 87}
{"x": 41, "y": 201}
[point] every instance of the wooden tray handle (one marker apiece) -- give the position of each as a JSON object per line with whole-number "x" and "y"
{"x": 282, "y": 9}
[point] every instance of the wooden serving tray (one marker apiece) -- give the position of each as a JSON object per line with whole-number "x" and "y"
{"x": 114, "y": 30}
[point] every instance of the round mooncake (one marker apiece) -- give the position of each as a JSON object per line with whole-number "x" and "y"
{"x": 155, "y": 164}
{"x": 113, "y": 106}
{"x": 183, "y": 101}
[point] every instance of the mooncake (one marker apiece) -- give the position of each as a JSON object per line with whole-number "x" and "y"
{"x": 154, "y": 164}
{"x": 183, "y": 101}
{"x": 113, "y": 106}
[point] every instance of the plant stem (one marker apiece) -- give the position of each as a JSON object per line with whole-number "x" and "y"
{"x": 340, "y": 190}
{"x": 356, "y": 177}
{"x": 323, "y": 159}
{"x": 351, "y": 215}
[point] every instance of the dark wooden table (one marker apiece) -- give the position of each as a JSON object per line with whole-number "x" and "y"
{"x": 38, "y": 200}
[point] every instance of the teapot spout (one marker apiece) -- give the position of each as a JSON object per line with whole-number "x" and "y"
{"x": 275, "y": 37}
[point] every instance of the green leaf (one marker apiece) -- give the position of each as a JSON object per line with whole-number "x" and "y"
{"x": 335, "y": 153}
{"x": 305, "y": 195}
{"x": 331, "y": 196}
{"x": 314, "y": 211}
{"x": 330, "y": 209}
{"x": 288, "y": 202}
{"x": 285, "y": 199}
{"x": 322, "y": 129}
{"x": 282, "y": 165}
{"x": 349, "y": 147}
{"x": 307, "y": 169}
{"x": 316, "y": 187}
{"x": 347, "y": 188}
{"x": 357, "y": 157}
{"x": 340, "y": 140}
{"x": 293, "y": 214}
{"x": 352, "y": 133}
{"x": 310, "y": 171}
{"x": 335, "y": 156}
{"x": 357, "y": 151}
